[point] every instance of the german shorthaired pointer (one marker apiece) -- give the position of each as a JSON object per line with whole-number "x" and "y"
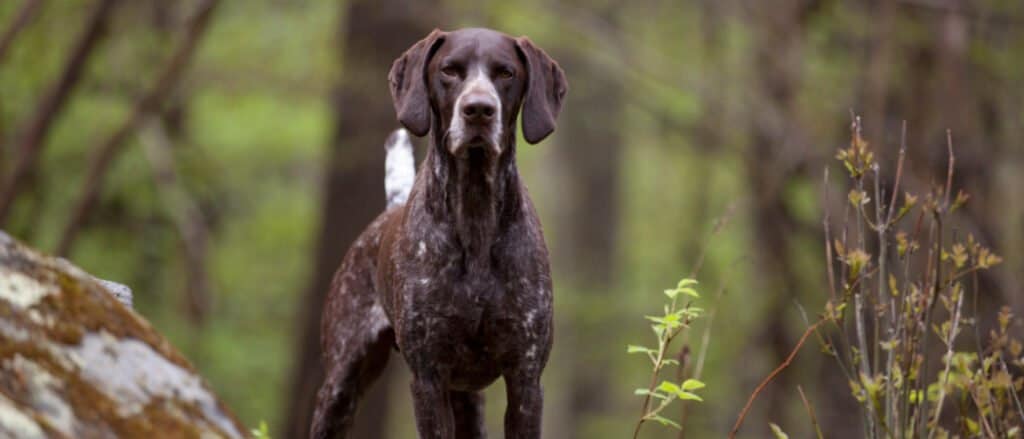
{"x": 455, "y": 272}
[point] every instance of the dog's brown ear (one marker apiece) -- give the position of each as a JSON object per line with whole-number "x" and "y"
{"x": 545, "y": 88}
{"x": 408, "y": 82}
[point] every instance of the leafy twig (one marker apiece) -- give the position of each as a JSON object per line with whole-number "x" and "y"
{"x": 666, "y": 328}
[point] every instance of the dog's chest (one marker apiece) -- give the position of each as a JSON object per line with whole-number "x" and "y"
{"x": 445, "y": 285}
{"x": 472, "y": 307}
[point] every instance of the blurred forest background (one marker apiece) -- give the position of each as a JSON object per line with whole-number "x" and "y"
{"x": 219, "y": 156}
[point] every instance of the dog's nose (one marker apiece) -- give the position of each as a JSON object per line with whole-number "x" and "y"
{"x": 478, "y": 108}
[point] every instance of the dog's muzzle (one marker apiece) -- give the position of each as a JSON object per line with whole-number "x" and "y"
{"x": 477, "y": 119}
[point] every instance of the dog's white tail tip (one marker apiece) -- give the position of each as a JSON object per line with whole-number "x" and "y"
{"x": 399, "y": 167}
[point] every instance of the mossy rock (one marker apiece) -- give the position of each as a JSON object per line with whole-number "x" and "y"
{"x": 76, "y": 362}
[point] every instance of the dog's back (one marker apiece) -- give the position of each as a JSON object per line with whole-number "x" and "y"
{"x": 356, "y": 337}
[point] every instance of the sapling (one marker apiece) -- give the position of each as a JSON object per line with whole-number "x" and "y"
{"x": 678, "y": 314}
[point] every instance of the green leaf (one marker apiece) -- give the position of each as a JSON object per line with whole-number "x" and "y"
{"x": 669, "y": 387}
{"x": 671, "y": 319}
{"x": 665, "y": 421}
{"x": 692, "y": 311}
{"x": 659, "y": 330}
{"x": 689, "y": 292}
{"x": 972, "y": 427}
{"x": 692, "y": 384}
{"x": 687, "y": 396}
{"x": 779, "y": 434}
{"x": 686, "y": 282}
{"x": 641, "y": 391}
{"x": 915, "y": 396}
{"x": 633, "y": 349}
{"x": 263, "y": 432}
{"x": 672, "y": 293}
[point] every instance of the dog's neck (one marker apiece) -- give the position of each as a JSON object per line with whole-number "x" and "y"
{"x": 477, "y": 195}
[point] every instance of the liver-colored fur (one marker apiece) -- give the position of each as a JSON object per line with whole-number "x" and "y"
{"x": 457, "y": 277}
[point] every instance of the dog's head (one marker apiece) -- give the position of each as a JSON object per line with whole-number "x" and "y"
{"x": 471, "y": 85}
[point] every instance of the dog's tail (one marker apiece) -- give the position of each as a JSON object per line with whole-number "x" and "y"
{"x": 399, "y": 167}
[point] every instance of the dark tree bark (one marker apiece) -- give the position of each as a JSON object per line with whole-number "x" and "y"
{"x": 33, "y": 136}
{"x": 187, "y": 218}
{"x": 372, "y": 36}
{"x": 950, "y": 91}
{"x": 150, "y": 103}
{"x": 162, "y": 136}
{"x": 878, "y": 75}
{"x": 778, "y": 154}
{"x": 584, "y": 248}
{"x": 18, "y": 22}
{"x": 708, "y": 137}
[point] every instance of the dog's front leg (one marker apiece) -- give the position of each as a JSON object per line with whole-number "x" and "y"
{"x": 525, "y": 405}
{"x": 434, "y": 418}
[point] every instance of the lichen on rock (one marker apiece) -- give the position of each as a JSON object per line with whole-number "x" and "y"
{"x": 76, "y": 361}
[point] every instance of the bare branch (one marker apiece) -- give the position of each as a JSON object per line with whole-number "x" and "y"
{"x": 810, "y": 412}
{"x": 186, "y": 216}
{"x": 949, "y": 173}
{"x": 21, "y": 19}
{"x": 828, "y": 238}
{"x": 33, "y": 137}
{"x": 899, "y": 172}
{"x": 149, "y": 104}
{"x": 771, "y": 376}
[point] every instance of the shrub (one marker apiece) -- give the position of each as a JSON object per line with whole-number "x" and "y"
{"x": 907, "y": 295}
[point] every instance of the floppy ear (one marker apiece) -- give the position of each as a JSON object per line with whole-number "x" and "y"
{"x": 545, "y": 88}
{"x": 408, "y": 82}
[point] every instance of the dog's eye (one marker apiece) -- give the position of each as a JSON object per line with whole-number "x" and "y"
{"x": 505, "y": 73}
{"x": 452, "y": 71}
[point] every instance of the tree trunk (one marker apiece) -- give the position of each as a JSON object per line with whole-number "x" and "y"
{"x": 372, "y": 36}
{"x": 33, "y": 137}
{"x": 587, "y": 221}
{"x": 777, "y": 153}
{"x": 149, "y": 104}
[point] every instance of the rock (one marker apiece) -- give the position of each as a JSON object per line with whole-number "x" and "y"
{"x": 121, "y": 292}
{"x": 77, "y": 362}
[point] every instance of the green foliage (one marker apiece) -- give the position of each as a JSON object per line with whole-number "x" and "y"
{"x": 912, "y": 300}
{"x": 261, "y": 432}
{"x": 666, "y": 328}
{"x": 777, "y": 431}
{"x": 257, "y": 118}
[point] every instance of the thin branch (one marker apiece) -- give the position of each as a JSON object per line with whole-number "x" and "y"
{"x": 935, "y": 266}
{"x": 858, "y": 294}
{"x": 771, "y": 376}
{"x": 705, "y": 343}
{"x": 949, "y": 359}
{"x": 33, "y": 136}
{"x": 949, "y": 173}
{"x": 810, "y": 412}
{"x": 828, "y": 238}
{"x": 18, "y": 22}
{"x": 899, "y": 172}
{"x": 186, "y": 216}
{"x": 664, "y": 342}
{"x": 149, "y": 104}
{"x": 720, "y": 223}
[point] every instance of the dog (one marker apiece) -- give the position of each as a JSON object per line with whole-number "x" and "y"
{"x": 455, "y": 272}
